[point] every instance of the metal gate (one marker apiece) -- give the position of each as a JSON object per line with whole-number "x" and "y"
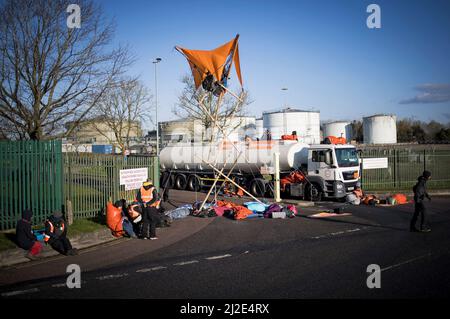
{"x": 90, "y": 180}
{"x": 30, "y": 178}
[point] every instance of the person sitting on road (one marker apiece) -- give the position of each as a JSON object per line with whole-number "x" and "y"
{"x": 358, "y": 192}
{"x": 56, "y": 234}
{"x": 147, "y": 196}
{"x": 356, "y": 196}
{"x": 25, "y": 237}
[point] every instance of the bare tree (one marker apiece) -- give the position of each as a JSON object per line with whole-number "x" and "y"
{"x": 121, "y": 111}
{"x": 223, "y": 110}
{"x": 51, "y": 74}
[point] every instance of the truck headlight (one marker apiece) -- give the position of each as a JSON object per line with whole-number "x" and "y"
{"x": 339, "y": 186}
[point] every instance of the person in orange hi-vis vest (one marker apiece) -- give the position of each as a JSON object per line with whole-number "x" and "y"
{"x": 147, "y": 196}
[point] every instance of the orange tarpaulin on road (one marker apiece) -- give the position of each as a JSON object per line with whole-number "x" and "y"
{"x": 217, "y": 62}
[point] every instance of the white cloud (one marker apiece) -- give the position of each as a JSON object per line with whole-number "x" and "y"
{"x": 430, "y": 93}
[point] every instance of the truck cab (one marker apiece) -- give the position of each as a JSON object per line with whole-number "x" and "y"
{"x": 333, "y": 170}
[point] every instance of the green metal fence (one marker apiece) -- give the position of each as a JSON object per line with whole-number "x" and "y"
{"x": 30, "y": 178}
{"x": 90, "y": 180}
{"x": 405, "y": 165}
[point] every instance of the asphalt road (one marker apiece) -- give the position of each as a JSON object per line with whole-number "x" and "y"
{"x": 296, "y": 258}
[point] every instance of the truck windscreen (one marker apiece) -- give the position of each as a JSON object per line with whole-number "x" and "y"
{"x": 347, "y": 157}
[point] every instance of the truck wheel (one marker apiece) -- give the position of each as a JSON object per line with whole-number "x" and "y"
{"x": 194, "y": 183}
{"x": 313, "y": 192}
{"x": 180, "y": 182}
{"x": 258, "y": 187}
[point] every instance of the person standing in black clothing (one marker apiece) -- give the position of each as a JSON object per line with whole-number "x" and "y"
{"x": 147, "y": 196}
{"x": 420, "y": 192}
{"x": 56, "y": 234}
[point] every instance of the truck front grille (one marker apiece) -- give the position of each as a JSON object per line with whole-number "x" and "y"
{"x": 350, "y": 175}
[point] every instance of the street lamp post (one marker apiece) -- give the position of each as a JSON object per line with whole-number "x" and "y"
{"x": 285, "y": 100}
{"x": 157, "y": 60}
{"x": 156, "y": 168}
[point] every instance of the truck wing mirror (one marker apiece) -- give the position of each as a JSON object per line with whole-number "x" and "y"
{"x": 328, "y": 158}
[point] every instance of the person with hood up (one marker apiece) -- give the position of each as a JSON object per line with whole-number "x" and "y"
{"x": 420, "y": 192}
{"x": 56, "y": 234}
{"x": 25, "y": 236}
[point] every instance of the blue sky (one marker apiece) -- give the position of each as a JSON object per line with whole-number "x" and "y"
{"x": 322, "y": 51}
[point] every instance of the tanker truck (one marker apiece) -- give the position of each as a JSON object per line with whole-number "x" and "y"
{"x": 330, "y": 171}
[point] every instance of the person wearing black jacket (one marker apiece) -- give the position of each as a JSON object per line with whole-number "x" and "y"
{"x": 147, "y": 197}
{"x": 56, "y": 234}
{"x": 420, "y": 192}
{"x": 25, "y": 237}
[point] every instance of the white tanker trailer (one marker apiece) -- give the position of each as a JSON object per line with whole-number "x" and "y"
{"x": 331, "y": 170}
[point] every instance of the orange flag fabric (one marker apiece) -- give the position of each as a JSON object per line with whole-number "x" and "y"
{"x": 217, "y": 62}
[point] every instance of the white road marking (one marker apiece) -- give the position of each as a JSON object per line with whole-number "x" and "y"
{"x": 19, "y": 292}
{"x": 59, "y": 285}
{"x": 337, "y": 233}
{"x": 186, "y": 263}
{"x": 218, "y": 257}
{"x": 405, "y": 262}
{"x": 151, "y": 269}
{"x": 111, "y": 276}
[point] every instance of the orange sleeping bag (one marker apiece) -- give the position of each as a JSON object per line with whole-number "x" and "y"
{"x": 368, "y": 198}
{"x": 114, "y": 220}
{"x": 400, "y": 198}
{"x": 240, "y": 212}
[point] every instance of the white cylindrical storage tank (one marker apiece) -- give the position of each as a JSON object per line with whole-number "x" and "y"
{"x": 338, "y": 129}
{"x": 259, "y": 128}
{"x": 284, "y": 122}
{"x": 380, "y": 129}
{"x": 237, "y": 128}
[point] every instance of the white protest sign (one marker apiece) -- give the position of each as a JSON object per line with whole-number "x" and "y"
{"x": 373, "y": 163}
{"x": 133, "y": 178}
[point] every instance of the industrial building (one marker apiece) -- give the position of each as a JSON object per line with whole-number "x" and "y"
{"x": 190, "y": 130}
